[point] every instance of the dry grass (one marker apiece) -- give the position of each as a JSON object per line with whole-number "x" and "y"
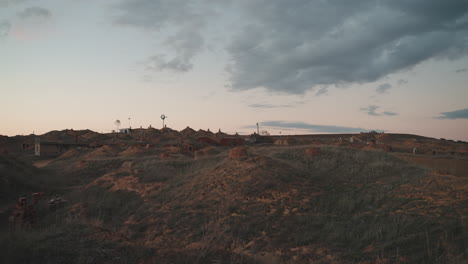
{"x": 444, "y": 165}
{"x": 277, "y": 205}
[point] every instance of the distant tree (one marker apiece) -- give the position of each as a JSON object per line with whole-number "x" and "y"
{"x": 117, "y": 124}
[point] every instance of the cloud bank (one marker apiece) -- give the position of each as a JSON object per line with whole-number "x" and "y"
{"x": 457, "y": 114}
{"x": 301, "y": 45}
{"x": 294, "y": 46}
{"x": 311, "y": 127}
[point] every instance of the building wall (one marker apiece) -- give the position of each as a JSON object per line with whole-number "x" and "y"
{"x": 124, "y": 130}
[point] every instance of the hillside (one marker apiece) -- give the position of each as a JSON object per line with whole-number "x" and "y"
{"x": 265, "y": 205}
{"x": 18, "y": 177}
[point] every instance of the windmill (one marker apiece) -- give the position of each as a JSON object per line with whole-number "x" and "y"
{"x": 163, "y": 117}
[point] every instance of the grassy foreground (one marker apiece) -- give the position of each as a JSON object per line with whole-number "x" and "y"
{"x": 275, "y": 205}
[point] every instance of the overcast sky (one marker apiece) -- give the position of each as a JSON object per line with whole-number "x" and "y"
{"x": 296, "y": 66}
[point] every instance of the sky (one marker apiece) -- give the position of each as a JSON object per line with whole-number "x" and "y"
{"x": 294, "y": 67}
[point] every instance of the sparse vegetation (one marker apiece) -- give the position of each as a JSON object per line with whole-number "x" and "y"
{"x": 19, "y": 178}
{"x": 277, "y": 205}
{"x": 110, "y": 207}
{"x": 67, "y": 243}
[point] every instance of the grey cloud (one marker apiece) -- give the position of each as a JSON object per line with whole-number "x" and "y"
{"x": 160, "y": 63}
{"x": 383, "y": 88}
{"x": 184, "y": 17}
{"x": 38, "y": 13}
{"x": 387, "y": 113}
{"x": 461, "y": 70}
{"x": 310, "y": 127}
{"x": 294, "y": 46}
{"x": 372, "y": 111}
{"x": 5, "y": 28}
{"x": 402, "y": 82}
{"x": 186, "y": 43}
{"x": 269, "y": 106}
{"x": 321, "y": 91}
{"x": 265, "y": 105}
{"x": 457, "y": 114}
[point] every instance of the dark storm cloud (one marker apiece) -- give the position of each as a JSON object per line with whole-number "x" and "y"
{"x": 293, "y": 46}
{"x": 372, "y": 111}
{"x": 458, "y": 114}
{"x": 310, "y": 127}
{"x": 5, "y": 27}
{"x": 35, "y": 13}
{"x": 461, "y": 70}
{"x": 185, "y": 18}
{"x": 383, "y": 88}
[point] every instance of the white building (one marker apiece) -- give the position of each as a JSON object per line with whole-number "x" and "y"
{"x": 125, "y": 130}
